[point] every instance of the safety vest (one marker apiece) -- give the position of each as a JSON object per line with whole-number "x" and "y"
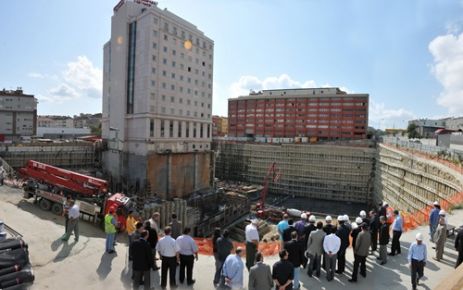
{"x": 109, "y": 228}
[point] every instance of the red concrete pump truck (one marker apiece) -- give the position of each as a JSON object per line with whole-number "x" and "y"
{"x": 51, "y": 185}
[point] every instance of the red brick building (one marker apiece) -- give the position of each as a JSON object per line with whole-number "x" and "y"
{"x": 324, "y": 113}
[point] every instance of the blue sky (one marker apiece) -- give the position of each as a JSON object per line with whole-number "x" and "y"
{"x": 408, "y": 55}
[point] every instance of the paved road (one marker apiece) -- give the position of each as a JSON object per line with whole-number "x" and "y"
{"x": 83, "y": 265}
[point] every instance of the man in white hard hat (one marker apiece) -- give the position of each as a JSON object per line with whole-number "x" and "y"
{"x": 365, "y": 219}
{"x": 342, "y": 232}
{"x": 328, "y": 228}
{"x": 434, "y": 220}
{"x": 252, "y": 242}
{"x": 417, "y": 255}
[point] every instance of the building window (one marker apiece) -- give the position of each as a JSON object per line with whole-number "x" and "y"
{"x": 173, "y": 64}
{"x": 188, "y": 102}
{"x": 187, "y": 130}
{"x": 172, "y": 87}
{"x": 194, "y": 130}
{"x": 201, "y": 131}
{"x": 163, "y": 110}
{"x": 151, "y": 127}
{"x": 166, "y": 37}
{"x": 172, "y": 111}
{"x": 153, "y": 83}
{"x": 208, "y": 131}
{"x": 164, "y": 73}
{"x": 179, "y": 135}
{"x": 163, "y": 97}
{"x": 163, "y": 85}
{"x": 162, "y": 128}
{"x": 153, "y": 70}
{"x": 180, "y": 101}
{"x": 171, "y": 129}
{"x": 165, "y": 49}
{"x": 172, "y": 99}
{"x": 174, "y": 52}
{"x": 155, "y": 33}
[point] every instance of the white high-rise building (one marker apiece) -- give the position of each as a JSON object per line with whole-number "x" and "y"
{"x": 157, "y": 85}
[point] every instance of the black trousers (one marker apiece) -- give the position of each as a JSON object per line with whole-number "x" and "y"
{"x": 168, "y": 263}
{"x": 395, "y": 246}
{"x": 341, "y": 261}
{"x": 251, "y": 250}
{"x": 374, "y": 240}
{"x": 186, "y": 262}
{"x": 139, "y": 276}
{"x": 460, "y": 259}
{"x": 359, "y": 261}
{"x": 417, "y": 268}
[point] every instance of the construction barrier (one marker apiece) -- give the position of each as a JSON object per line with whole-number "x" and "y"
{"x": 266, "y": 248}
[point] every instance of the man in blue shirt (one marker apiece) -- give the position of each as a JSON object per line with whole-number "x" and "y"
{"x": 282, "y": 226}
{"x": 417, "y": 255}
{"x": 434, "y": 220}
{"x": 233, "y": 270}
{"x": 397, "y": 228}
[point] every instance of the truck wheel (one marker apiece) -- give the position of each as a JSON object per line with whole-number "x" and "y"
{"x": 57, "y": 208}
{"x": 45, "y": 204}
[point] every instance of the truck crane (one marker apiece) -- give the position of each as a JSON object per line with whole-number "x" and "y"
{"x": 270, "y": 213}
{"x": 50, "y": 186}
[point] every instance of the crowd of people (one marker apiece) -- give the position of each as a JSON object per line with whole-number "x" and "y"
{"x": 306, "y": 244}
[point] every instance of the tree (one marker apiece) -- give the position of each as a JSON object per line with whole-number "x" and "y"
{"x": 411, "y": 130}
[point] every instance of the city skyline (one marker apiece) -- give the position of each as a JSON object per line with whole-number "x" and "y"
{"x": 407, "y": 56}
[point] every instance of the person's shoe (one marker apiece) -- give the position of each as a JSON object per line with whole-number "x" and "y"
{"x": 181, "y": 281}
{"x": 382, "y": 263}
{"x": 352, "y": 280}
{"x": 191, "y": 282}
{"x": 339, "y": 272}
{"x": 434, "y": 258}
{"x": 111, "y": 252}
{"x": 76, "y": 240}
{"x": 434, "y": 248}
{"x": 156, "y": 268}
{"x": 317, "y": 275}
{"x": 378, "y": 258}
{"x": 364, "y": 275}
{"x": 308, "y": 274}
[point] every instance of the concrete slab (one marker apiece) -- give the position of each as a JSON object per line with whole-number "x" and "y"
{"x": 83, "y": 265}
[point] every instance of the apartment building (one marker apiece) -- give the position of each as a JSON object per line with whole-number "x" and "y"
{"x": 219, "y": 126}
{"x": 324, "y": 113}
{"x": 18, "y": 114}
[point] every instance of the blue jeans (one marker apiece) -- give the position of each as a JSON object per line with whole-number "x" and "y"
{"x": 297, "y": 275}
{"x": 110, "y": 242}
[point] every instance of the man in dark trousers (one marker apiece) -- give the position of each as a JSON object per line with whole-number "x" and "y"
{"x": 224, "y": 248}
{"x": 295, "y": 256}
{"x": 283, "y": 272}
{"x": 397, "y": 227}
{"x": 142, "y": 261}
{"x": 170, "y": 258}
{"x": 152, "y": 240}
{"x": 343, "y": 233}
{"x": 459, "y": 247}
{"x": 383, "y": 240}
{"x": 374, "y": 228}
{"x": 362, "y": 246}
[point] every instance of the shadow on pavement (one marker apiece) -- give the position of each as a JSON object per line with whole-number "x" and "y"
{"x": 105, "y": 266}
{"x": 55, "y": 245}
{"x": 65, "y": 251}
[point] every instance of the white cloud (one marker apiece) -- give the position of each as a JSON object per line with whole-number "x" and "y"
{"x": 447, "y": 51}
{"x": 84, "y": 77}
{"x": 80, "y": 79}
{"x": 36, "y": 75}
{"x": 382, "y": 117}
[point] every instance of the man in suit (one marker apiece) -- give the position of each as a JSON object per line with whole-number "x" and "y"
{"x": 343, "y": 233}
{"x": 295, "y": 256}
{"x": 362, "y": 245}
{"x": 383, "y": 240}
{"x": 260, "y": 275}
{"x": 315, "y": 249}
{"x": 142, "y": 261}
{"x": 459, "y": 247}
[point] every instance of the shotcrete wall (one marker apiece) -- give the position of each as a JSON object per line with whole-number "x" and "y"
{"x": 411, "y": 182}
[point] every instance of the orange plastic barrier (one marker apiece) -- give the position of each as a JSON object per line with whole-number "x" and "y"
{"x": 266, "y": 248}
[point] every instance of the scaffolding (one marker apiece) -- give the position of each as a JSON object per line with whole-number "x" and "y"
{"x": 341, "y": 173}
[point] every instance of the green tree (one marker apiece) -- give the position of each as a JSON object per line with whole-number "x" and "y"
{"x": 411, "y": 131}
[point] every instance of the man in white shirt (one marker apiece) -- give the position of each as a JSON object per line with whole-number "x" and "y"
{"x": 73, "y": 222}
{"x": 188, "y": 251}
{"x": 331, "y": 245}
{"x": 154, "y": 222}
{"x": 252, "y": 243}
{"x": 168, "y": 252}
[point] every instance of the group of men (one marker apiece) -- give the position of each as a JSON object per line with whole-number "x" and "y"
{"x": 175, "y": 248}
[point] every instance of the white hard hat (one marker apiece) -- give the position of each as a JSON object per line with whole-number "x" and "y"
{"x": 442, "y": 212}
{"x": 384, "y": 203}
{"x": 419, "y": 236}
{"x": 328, "y": 218}
{"x": 363, "y": 213}
{"x": 436, "y": 203}
{"x": 354, "y": 225}
{"x": 345, "y": 218}
{"x": 254, "y": 221}
{"x": 358, "y": 220}
{"x": 340, "y": 218}
{"x": 312, "y": 218}
{"x": 303, "y": 216}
